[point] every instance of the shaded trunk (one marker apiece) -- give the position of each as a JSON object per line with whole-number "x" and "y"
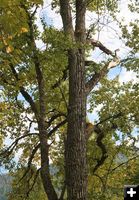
{"x": 75, "y": 156}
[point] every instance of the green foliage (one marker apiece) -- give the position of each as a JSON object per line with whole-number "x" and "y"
{"x": 135, "y": 179}
{"x": 103, "y": 5}
{"x": 134, "y": 6}
{"x": 111, "y": 96}
{"x": 131, "y": 35}
{"x": 26, "y": 188}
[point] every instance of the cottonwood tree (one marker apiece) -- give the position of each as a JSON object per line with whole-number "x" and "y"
{"x": 48, "y": 88}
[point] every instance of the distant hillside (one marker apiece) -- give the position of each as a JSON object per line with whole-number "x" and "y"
{"x": 4, "y": 186}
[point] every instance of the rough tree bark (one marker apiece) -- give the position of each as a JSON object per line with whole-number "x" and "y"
{"x": 75, "y": 150}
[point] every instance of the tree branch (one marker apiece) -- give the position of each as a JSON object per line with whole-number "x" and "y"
{"x": 64, "y": 77}
{"x": 10, "y": 149}
{"x": 80, "y": 20}
{"x": 90, "y": 62}
{"x": 100, "y": 178}
{"x": 98, "y": 76}
{"x": 57, "y": 127}
{"x": 34, "y": 151}
{"x": 98, "y": 44}
{"x": 54, "y": 117}
{"x": 110, "y": 117}
{"x": 34, "y": 12}
{"x": 34, "y": 181}
{"x": 100, "y": 137}
{"x": 109, "y": 168}
{"x": 45, "y": 173}
{"x": 64, "y": 98}
{"x": 124, "y": 163}
{"x": 65, "y": 73}
{"x": 65, "y": 11}
{"x": 25, "y": 94}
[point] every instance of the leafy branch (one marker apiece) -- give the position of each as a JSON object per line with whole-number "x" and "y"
{"x": 10, "y": 149}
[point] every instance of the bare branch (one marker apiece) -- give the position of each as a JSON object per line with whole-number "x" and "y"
{"x": 99, "y": 75}
{"x": 113, "y": 63}
{"x": 34, "y": 12}
{"x": 98, "y": 44}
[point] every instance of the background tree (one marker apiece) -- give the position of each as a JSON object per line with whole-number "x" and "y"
{"x": 28, "y": 188}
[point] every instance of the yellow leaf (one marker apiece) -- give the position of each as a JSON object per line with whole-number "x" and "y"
{"x": 23, "y": 30}
{"x": 10, "y": 37}
{"x": 9, "y": 49}
{"x": 4, "y": 41}
{"x": 3, "y": 106}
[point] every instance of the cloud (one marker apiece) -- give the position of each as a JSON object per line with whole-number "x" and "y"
{"x": 125, "y": 13}
{"x": 126, "y": 76}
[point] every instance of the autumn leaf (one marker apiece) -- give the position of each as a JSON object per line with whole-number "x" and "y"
{"x": 9, "y": 49}
{"x": 23, "y": 30}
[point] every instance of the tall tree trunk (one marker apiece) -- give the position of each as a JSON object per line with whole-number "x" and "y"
{"x": 75, "y": 156}
{"x": 75, "y": 150}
